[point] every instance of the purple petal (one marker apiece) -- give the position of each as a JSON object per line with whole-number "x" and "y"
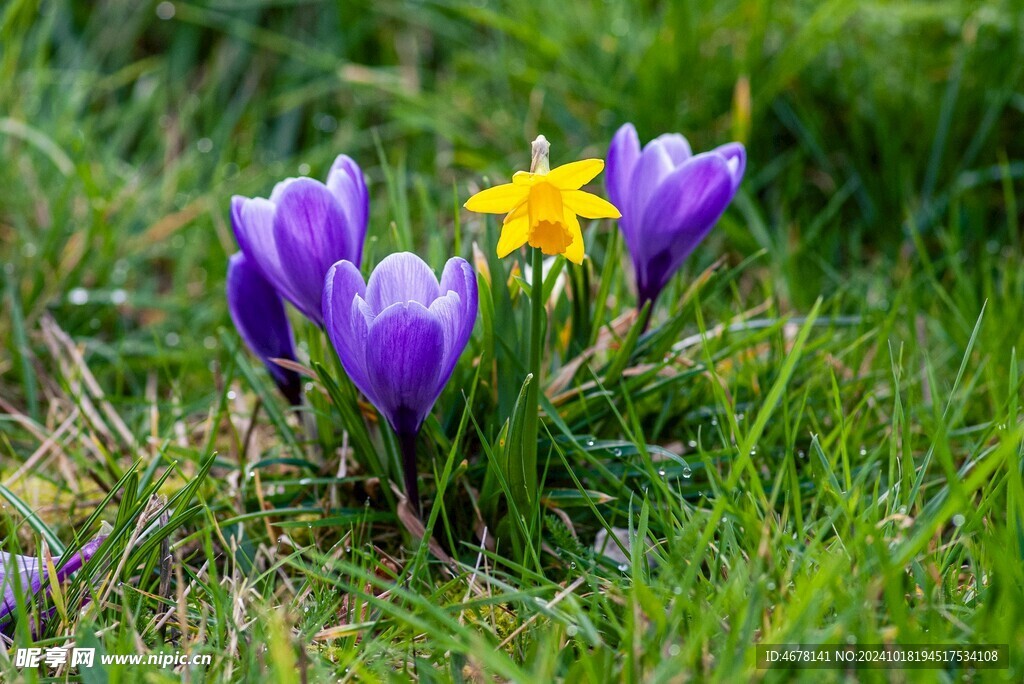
{"x": 404, "y": 353}
{"x": 346, "y": 183}
{"x": 344, "y": 290}
{"x": 30, "y": 573}
{"x": 736, "y": 156}
{"x": 677, "y": 147}
{"x": 401, "y": 277}
{"x": 679, "y": 215}
{"x": 651, "y": 168}
{"x": 459, "y": 278}
{"x": 279, "y": 188}
{"x": 259, "y": 316}
{"x": 25, "y": 570}
{"x": 623, "y": 154}
{"x": 311, "y": 233}
{"x": 448, "y": 311}
{"x": 253, "y": 223}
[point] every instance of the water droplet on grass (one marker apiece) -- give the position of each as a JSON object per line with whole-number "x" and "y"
{"x": 165, "y": 10}
{"x": 78, "y": 296}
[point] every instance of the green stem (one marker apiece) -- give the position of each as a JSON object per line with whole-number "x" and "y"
{"x": 530, "y": 431}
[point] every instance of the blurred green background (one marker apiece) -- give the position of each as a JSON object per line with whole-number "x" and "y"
{"x": 125, "y": 127}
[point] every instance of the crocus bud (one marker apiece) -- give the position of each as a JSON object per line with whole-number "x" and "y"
{"x": 305, "y": 226}
{"x": 670, "y": 200}
{"x": 29, "y": 573}
{"x": 399, "y": 335}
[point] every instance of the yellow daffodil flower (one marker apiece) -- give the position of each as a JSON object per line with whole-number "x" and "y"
{"x": 541, "y": 205}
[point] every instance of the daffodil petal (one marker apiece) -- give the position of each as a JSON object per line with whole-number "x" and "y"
{"x": 574, "y": 252}
{"x": 497, "y": 200}
{"x": 513, "y": 236}
{"x": 575, "y": 175}
{"x": 588, "y": 205}
{"x": 524, "y": 178}
{"x": 523, "y": 209}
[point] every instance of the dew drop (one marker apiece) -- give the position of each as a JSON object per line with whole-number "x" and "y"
{"x": 326, "y": 123}
{"x": 165, "y": 10}
{"x": 959, "y": 520}
{"x": 687, "y": 472}
{"x": 78, "y": 296}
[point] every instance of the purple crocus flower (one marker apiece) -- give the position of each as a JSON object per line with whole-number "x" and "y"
{"x": 670, "y": 200}
{"x": 399, "y": 336}
{"x": 29, "y": 574}
{"x": 258, "y": 313}
{"x": 294, "y": 237}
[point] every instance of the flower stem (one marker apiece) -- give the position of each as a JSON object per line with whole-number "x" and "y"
{"x": 407, "y": 442}
{"x": 648, "y": 301}
{"x": 530, "y": 432}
